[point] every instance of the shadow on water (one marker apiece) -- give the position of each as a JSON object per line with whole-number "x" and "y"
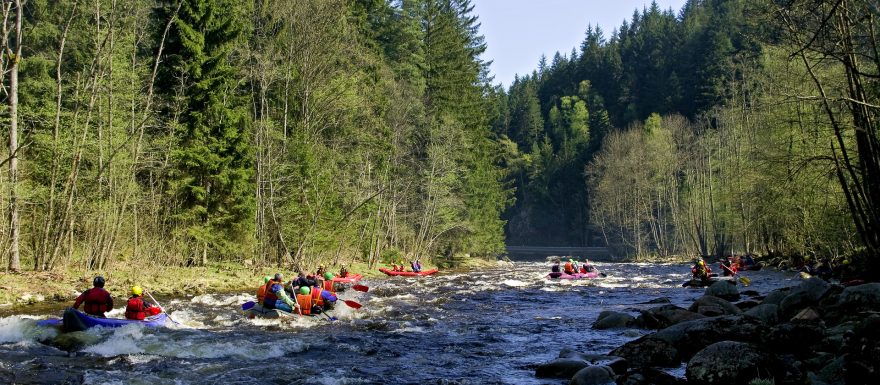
{"x": 489, "y": 327}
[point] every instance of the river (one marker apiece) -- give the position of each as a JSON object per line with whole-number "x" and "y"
{"x": 484, "y": 327}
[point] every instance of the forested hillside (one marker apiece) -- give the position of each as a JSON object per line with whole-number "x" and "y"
{"x": 185, "y": 132}
{"x": 727, "y": 126}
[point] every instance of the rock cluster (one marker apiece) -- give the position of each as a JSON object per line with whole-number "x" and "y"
{"x": 814, "y": 333}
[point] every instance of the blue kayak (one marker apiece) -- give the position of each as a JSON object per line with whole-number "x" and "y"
{"x": 75, "y": 320}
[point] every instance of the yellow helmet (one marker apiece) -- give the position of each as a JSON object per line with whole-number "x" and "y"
{"x": 136, "y": 290}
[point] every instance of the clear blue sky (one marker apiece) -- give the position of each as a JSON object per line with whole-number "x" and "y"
{"x": 518, "y": 31}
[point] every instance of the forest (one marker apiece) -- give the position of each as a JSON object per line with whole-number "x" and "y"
{"x": 279, "y": 132}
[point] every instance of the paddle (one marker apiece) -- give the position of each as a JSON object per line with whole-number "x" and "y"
{"x": 248, "y": 305}
{"x": 352, "y": 304}
{"x": 745, "y": 281}
{"x": 161, "y": 307}
{"x": 360, "y": 288}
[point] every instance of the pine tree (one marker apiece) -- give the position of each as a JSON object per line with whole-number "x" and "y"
{"x": 212, "y": 159}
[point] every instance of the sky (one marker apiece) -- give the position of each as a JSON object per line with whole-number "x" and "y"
{"x": 518, "y": 31}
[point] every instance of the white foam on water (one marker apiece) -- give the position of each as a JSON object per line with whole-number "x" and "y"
{"x": 219, "y": 300}
{"x": 409, "y": 329}
{"x": 22, "y": 328}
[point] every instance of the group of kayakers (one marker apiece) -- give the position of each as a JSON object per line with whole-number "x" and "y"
{"x": 415, "y": 265}
{"x": 97, "y": 301}
{"x": 571, "y": 267}
{"x": 305, "y": 295}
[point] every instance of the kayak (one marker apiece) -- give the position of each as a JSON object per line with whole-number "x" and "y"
{"x": 408, "y": 273}
{"x": 590, "y": 275}
{"x": 351, "y": 278}
{"x": 704, "y": 283}
{"x": 259, "y": 311}
{"x": 75, "y": 320}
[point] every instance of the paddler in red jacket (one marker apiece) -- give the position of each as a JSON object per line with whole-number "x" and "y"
{"x": 96, "y": 301}
{"x": 138, "y": 309}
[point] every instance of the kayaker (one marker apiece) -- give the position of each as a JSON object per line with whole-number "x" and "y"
{"x": 321, "y": 270}
{"x": 328, "y": 283}
{"x": 727, "y": 267}
{"x": 322, "y": 299}
{"x": 96, "y": 301}
{"x": 276, "y": 297}
{"x": 555, "y": 267}
{"x": 569, "y": 267}
{"x": 261, "y": 291}
{"x": 343, "y": 272}
{"x": 586, "y": 267}
{"x": 823, "y": 269}
{"x": 301, "y": 280}
{"x": 415, "y": 266}
{"x": 700, "y": 270}
{"x": 304, "y": 300}
{"x": 137, "y": 308}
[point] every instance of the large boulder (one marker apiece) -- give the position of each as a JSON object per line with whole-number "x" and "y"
{"x": 776, "y": 296}
{"x": 613, "y": 320}
{"x": 712, "y": 306}
{"x": 665, "y": 316}
{"x": 570, "y": 362}
{"x": 593, "y": 375}
{"x": 799, "y": 338}
{"x": 618, "y": 364}
{"x": 831, "y": 374}
{"x": 647, "y": 351}
{"x": 769, "y": 313}
{"x": 808, "y": 293}
{"x": 728, "y": 362}
{"x": 691, "y": 336}
{"x": 560, "y": 368}
{"x": 725, "y": 289}
{"x": 855, "y": 300}
{"x": 649, "y": 376}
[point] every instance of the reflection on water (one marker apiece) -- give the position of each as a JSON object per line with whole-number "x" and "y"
{"x": 488, "y": 327}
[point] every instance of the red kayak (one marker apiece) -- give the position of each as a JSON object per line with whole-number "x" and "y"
{"x": 408, "y": 273}
{"x": 351, "y": 278}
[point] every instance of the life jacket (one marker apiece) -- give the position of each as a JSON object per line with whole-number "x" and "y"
{"x": 568, "y": 268}
{"x": 316, "y": 296}
{"x": 270, "y": 297}
{"x": 96, "y": 301}
{"x": 305, "y": 303}
{"x": 135, "y": 309}
{"x": 328, "y": 285}
{"x": 261, "y": 293}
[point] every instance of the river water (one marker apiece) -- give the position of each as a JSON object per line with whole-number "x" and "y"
{"x": 484, "y": 327}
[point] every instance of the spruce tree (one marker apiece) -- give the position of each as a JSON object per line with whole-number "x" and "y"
{"x": 212, "y": 163}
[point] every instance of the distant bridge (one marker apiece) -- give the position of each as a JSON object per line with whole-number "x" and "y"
{"x": 541, "y": 252}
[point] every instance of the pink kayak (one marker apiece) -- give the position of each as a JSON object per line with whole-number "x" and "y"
{"x": 590, "y": 275}
{"x": 408, "y": 273}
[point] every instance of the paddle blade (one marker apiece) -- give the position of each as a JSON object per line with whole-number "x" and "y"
{"x": 361, "y": 288}
{"x": 745, "y": 281}
{"x": 248, "y": 305}
{"x": 352, "y": 304}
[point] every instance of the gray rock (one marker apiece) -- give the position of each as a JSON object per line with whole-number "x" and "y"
{"x": 776, "y": 296}
{"x": 862, "y": 297}
{"x": 593, "y": 375}
{"x": 618, "y": 364}
{"x": 649, "y": 376}
{"x": 797, "y": 338}
{"x": 831, "y": 374}
{"x": 769, "y": 313}
{"x": 691, "y": 336}
{"x": 560, "y": 368}
{"x": 647, "y": 351}
{"x": 728, "y": 362}
{"x": 613, "y": 320}
{"x": 747, "y": 304}
{"x": 808, "y": 293}
{"x": 665, "y": 316}
{"x": 659, "y": 300}
{"x": 724, "y": 289}
{"x": 712, "y": 306}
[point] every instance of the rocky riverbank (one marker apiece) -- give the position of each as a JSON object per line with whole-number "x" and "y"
{"x": 813, "y": 333}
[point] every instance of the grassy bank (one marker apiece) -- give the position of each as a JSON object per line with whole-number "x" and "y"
{"x": 64, "y": 285}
